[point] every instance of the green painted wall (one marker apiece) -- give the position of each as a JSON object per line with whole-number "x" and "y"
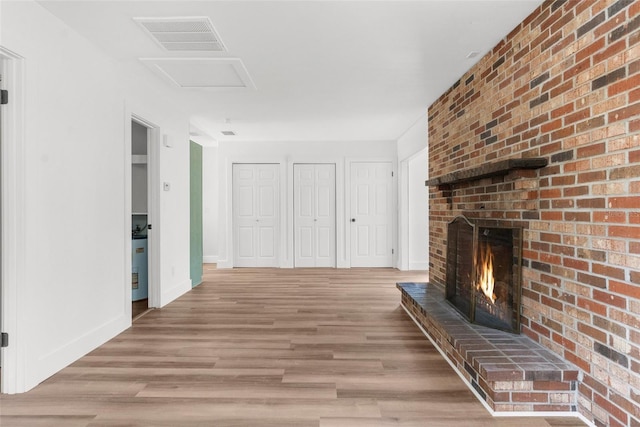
{"x": 196, "y": 213}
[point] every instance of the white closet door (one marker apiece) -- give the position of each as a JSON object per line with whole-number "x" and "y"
{"x": 315, "y": 215}
{"x": 371, "y": 215}
{"x": 256, "y": 215}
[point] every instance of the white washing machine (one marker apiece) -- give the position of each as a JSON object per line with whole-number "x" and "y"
{"x": 139, "y": 267}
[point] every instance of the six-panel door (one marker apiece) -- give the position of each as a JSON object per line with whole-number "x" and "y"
{"x": 256, "y": 215}
{"x": 314, "y": 202}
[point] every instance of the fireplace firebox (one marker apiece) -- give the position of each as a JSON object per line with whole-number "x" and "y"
{"x": 484, "y": 273}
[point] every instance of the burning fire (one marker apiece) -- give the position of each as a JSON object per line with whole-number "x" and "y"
{"x": 486, "y": 280}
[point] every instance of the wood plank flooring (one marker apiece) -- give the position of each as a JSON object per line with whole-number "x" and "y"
{"x": 266, "y": 347}
{"x": 139, "y": 307}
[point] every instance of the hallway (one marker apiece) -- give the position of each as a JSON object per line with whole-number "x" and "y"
{"x": 266, "y": 347}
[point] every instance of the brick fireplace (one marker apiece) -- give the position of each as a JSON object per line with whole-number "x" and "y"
{"x": 563, "y": 86}
{"x": 484, "y": 265}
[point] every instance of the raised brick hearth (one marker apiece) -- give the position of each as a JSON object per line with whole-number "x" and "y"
{"x": 564, "y": 86}
{"x": 509, "y": 372}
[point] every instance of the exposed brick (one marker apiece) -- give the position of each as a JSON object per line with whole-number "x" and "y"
{"x": 611, "y": 354}
{"x": 592, "y": 254}
{"x": 617, "y": 7}
{"x": 529, "y": 397}
{"x": 539, "y": 100}
{"x": 609, "y": 326}
{"x": 592, "y": 123}
{"x": 581, "y": 213}
{"x": 593, "y": 23}
{"x": 610, "y": 299}
{"x": 562, "y": 111}
{"x": 594, "y": 203}
{"x": 624, "y": 85}
{"x": 610, "y": 51}
{"x": 589, "y": 50}
{"x": 563, "y": 180}
{"x": 632, "y": 202}
{"x": 609, "y": 78}
{"x": 624, "y": 113}
{"x": 628, "y": 232}
{"x": 564, "y": 132}
{"x": 625, "y": 289}
{"x": 551, "y": 385}
{"x": 539, "y": 120}
{"x": 538, "y": 80}
{"x": 609, "y": 216}
{"x": 588, "y": 279}
{"x": 592, "y": 176}
{"x": 625, "y": 29}
{"x": 577, "y": 116}
{"x": 568, "y": 84}
{"x": 625, "y": 172}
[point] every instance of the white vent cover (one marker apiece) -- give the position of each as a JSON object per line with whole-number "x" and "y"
{"x": 202, "y": 73}
{"x": 185, "y": 34}
{"x": 228, "y": 133}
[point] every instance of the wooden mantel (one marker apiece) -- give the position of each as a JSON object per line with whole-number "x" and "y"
{"x": 501, "y": 167}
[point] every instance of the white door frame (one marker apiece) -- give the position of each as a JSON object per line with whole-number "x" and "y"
{"x": 226, "y": 215}
{"x": 394, "y": 203}
{"x": 154, "y": 138}
{"x": 13, "y": 282}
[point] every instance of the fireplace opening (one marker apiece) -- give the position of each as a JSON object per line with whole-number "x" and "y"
{"x": 483, "y": 277}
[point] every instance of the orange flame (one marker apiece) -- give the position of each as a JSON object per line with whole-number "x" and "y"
{"x": 486, "y": 280}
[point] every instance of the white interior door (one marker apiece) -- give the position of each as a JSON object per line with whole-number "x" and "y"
{"x": 314, "y": 215}
{"x": 256, "y": 215}
{"x": 371, "y": 214}
{"x": 2, "y": 86}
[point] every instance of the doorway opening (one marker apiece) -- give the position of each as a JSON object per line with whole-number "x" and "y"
{"x": 143, "y": 199}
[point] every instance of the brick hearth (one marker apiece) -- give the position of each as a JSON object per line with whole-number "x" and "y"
{"x": 510, "y": 372}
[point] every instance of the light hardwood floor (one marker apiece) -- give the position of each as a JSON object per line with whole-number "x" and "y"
{"x": 266, "y": 347}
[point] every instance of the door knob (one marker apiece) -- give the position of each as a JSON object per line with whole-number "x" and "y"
{"x": 353, "y": 220}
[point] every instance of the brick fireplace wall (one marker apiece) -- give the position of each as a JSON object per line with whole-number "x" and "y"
{"x": 563, "y": 85}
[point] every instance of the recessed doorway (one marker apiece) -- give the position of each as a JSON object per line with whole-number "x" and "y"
{"x": 142, "y": 235}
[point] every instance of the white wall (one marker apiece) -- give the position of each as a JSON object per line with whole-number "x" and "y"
{"x": 413, "y": 197}
{"x": 418, "y": 212}
{"x": 415, "y": 139}
{"x": 210, "y": 170}
{"x": 75, "y": 291}
{"x": 286, "y": 154}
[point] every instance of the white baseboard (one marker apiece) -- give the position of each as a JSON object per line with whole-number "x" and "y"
{"x": 225, "y": 263}
{"x": 175, "y": 292}
{"x": 57, "y": 359}
{"x": 210, "y": 259}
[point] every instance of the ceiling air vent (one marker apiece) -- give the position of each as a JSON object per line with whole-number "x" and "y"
{"x": 186, "y": 34}
{"x": 228, "y": 133}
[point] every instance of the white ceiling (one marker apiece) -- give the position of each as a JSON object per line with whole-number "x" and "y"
{"x": 322, "y": 70}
